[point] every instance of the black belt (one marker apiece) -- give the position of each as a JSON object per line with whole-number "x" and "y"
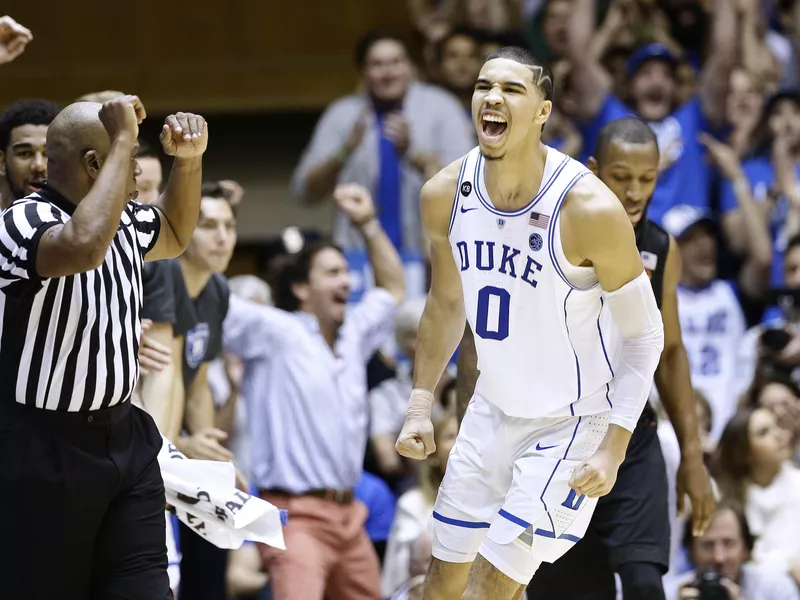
{"x": 335, "y": 496}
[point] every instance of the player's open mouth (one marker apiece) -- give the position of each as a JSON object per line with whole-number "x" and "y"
{"x": 341, "y": 298}
{"x": 493, "y": 126}
{"x": 36, "y": 185}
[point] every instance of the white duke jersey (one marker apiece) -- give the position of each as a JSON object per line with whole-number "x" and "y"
{"x": 539, "y": 323}
{"x": 712, "y": 327}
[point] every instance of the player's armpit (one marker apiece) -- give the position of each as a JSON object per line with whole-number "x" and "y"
{"x": 595, "y": 229}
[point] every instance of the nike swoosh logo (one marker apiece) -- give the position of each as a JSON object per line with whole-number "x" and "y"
{"x": 540, "y": 447}
{"x": 463, "y": 210}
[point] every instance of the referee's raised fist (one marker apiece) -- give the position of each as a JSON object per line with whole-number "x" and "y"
{"x": 122, "y": 116}
{"x": 184, "y": 135}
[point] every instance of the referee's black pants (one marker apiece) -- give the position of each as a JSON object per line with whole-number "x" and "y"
{"x": 81, "y": 505}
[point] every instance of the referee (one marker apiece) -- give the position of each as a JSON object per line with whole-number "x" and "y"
{"x": 80, "y": 487}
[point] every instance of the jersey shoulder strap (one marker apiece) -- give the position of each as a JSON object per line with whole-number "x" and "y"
{"x": 653, "y": 244}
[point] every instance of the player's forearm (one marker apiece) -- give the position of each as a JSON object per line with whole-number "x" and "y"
{"x": 440, "y": 331}
{"x": 386, "y": 264}
{"x": 635, "y": 312}
{"x": 615, "y": 442}
{"x": 673, "y": 381}
{"x": 180, "y": 202}
{"x": 156, "y": 391}
{"x": 225, "y": 416}
{"x": 467, "y": 373}
{"x": 199, "y": 413}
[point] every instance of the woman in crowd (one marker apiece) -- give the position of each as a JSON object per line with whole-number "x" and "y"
{"x": 779, "y": 393}
{"x": 753, "y": 467}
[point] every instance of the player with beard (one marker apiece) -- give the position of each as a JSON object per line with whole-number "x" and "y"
{"x": 685, "y": 177}
{"x": 23, "y": 159}
{"x": 630, "y": 529}
{"x": 188, "y": 297}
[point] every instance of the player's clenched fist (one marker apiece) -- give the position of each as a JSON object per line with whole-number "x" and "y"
{"x": 416, "y": 437}
{"x": 122, "y": 116}
{"x": 184, "y": 135}
{"x": 596, "y": 475}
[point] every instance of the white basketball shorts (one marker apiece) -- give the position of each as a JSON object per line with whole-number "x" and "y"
{"x": 505, "y": 492}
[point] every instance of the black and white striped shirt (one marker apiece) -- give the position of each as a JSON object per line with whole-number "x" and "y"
{"x": 71, "y": 343}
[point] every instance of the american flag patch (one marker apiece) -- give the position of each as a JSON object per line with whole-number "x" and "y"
{"x": 649, "y": 260}
{"x": 539, "y": 220}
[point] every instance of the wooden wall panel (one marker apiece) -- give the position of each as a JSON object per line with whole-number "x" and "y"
{"x": 202, "y": 55}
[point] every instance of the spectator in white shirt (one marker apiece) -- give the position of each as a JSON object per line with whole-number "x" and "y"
{"x": 753, "y": 467}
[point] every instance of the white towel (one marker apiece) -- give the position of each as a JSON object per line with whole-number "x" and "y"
{"x": 204, "y": 497}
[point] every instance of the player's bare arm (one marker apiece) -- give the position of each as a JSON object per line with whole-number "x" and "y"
{"x": 596, "y": 231}
{"x": 466, "y": 372}
{"x": 442, "y": 321}
{"x": 156, "y": 387}
{"x": 184, "y": 136}
{"x": 673, "y": 380}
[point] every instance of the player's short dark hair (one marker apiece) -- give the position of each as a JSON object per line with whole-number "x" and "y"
{"x": 724, "y": 504}
{"x": 147, "y": 150}
{"x": 212, "y": 189}
{"x": 293, "y": 269}
{"x": 29, "y": 111}
{"x": 629, "y": 130}
{"x": 525, "y": 57}
{"x": 369, "y": 39}
{"x": 458, "y": 31}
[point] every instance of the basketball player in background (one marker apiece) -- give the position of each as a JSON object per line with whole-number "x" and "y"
{"x": 630, "y": 529}
{"x": 541, "y": 282}
{"x": 188, "y": 297}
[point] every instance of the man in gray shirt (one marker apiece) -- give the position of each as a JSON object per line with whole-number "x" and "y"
{"x": 390, "y": 138}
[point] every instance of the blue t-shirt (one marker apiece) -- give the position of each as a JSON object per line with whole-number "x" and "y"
{"x": 380, "y": 503}
{"x": 761, "y": 175}
{"x": 688, "y": 179}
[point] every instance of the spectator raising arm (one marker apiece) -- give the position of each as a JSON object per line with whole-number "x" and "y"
{"x": 716, "y": 74}
{"x": 356, "y": 202}
{"x": 591, "y": 83}
{"x": 751, "y": 220}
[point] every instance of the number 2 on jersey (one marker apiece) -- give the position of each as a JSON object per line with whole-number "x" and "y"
{"x": 491, "y": 322}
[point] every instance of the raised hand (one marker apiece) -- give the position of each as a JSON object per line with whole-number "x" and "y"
{"x": 13, "y": 39}
{"x": 184, "y": 135}
{"x": 122, "y": 116}
{"x": 723, "y": 156}
{"x": 356, "y": 202}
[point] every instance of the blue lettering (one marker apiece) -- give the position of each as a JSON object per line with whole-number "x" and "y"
{"x": 527, "y": 276}
{"x": 462, "y": 252}
{"x": 571, "y": 502}
{"x": 717, "y": 322}
{"x": 508, "y": 259}
{"x": 479, "y": 255}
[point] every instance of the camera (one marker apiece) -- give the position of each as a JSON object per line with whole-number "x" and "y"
{"x": 710, "y": 587}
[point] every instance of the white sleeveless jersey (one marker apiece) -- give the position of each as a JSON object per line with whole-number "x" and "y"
{"x": 712, "y": 328}
{"x": 539, "y": 322}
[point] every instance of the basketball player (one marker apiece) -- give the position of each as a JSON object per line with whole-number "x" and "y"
{"x": 540, "y": 257}
{"x": 631, "y": 525}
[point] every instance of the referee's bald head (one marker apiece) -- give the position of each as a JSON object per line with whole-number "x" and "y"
{"x": 77, "y": 143}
